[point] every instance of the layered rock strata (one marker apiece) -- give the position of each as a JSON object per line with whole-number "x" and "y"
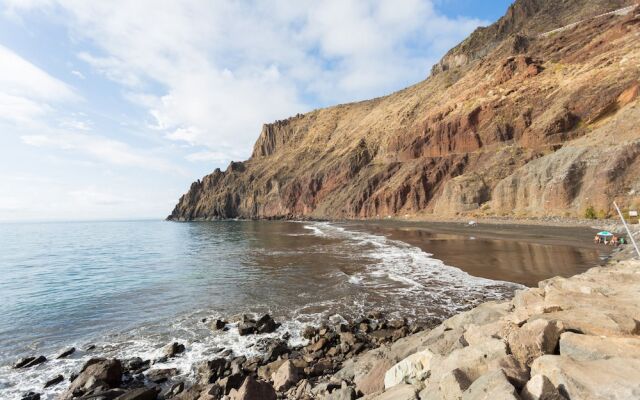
{"x": 519, "y": 119}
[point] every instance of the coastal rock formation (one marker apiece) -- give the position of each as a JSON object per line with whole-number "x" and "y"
{"x": 537, "y": 346}
{"x": 534, "y": 115}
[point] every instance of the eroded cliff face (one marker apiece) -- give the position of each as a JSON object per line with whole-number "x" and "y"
{"x": 523, "y": 123}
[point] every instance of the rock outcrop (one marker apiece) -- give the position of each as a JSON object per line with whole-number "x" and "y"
{"x": 515, "y": 120}
{"x": 537, "y": 346}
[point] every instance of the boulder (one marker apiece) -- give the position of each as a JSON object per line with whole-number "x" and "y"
{"x": 516, "y": 372}
{"x": 453, "y": 384}
{"x": 253, "y": 389}
{"x": 97, "y": 372}
{"x": 493, "y": 385}
{"x": 228, "y": 383}
{"x": 540, "y": 388}
{"x": 286, "y": 376}
{"x": 31, "y": 396}
{"x": 266, "y": 371}
{"x": 161, "y": 375}
{"x": 28, "y": 362}
{"x": 342, "y": 393}
{"x": 66, "y": 352}
{"x": 246, "y": 328}
{"x": 612, "y": 378}
{"x": 587, "y": 347}
{"x": 22, "y": 362}
{"x": 309, "y": 332}
{"x": 218, "y": 324}
{"x": 139, "y": 394}
{"x": 483, "y": 314}
{"x": 174, "y": 390}
{"x": 173, "y": 349}
{"x": 412, "y": 369}
{"x": 321, "y": 367}
{"x": 212, "y": 370}
{"x": 398, "y": 392}
{"x": 534, "y": 339}
{"x": 317, "y": 346}
{"x": 373, "y": 381}
{"x": 473, "y": 361}
{"x": 266, "y": 324}
{"x": 54, "y": 381}
{"x": 594, "y": 321}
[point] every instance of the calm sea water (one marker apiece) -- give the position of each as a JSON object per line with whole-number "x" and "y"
{"x": 131, "y": 287}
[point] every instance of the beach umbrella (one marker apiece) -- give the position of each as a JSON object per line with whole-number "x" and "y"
{"x": 605, "y": 233}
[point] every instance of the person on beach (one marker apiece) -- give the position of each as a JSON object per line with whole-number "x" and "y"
{"x": 597, "y": 239}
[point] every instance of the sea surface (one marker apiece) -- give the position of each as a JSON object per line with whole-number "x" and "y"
{"x": 132, "y": 287}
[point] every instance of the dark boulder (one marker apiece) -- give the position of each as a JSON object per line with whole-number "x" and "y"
{"x": 246, "y": 328}
{"x": 54, "y": 381}
{"x": 266, "y": 324}
{"x": 218, "y": 324}
{"x": 139, "y": 394}
{"x": 97, "y": 373}
{"x": 23, "y": 361}
{"x": 211, "y": 371}
{"x": 231, "y": 382}
{"x": 66, "y": 352}
{"x": 174, "y": 390}
{"x": 253, "y": 389}
{"x": 161, "y": 375}
{"x": 173, "y": 349}
{"x": 28, "y": 362}
{"x": 31, "y": 396}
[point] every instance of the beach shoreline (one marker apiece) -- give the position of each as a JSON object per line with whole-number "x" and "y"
{"x": 321, "y": 365}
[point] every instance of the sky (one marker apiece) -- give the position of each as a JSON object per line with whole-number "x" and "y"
{"x": 110, "y": 109}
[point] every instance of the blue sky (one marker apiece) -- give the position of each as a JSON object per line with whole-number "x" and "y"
{"x": 109, "y": 110}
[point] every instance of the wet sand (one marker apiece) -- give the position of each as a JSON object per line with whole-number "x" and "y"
{"x": 524, "y": 254}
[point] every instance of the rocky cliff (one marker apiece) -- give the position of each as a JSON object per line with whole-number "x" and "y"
{"x": 522, "y": 118}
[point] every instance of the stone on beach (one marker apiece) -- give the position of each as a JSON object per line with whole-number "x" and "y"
{"x": 29, "y": 362}
{"x": 493, "y": 385}
{"x": 31, "y": 396}
{"x": 139, "y": 394}
{"x": 534, "y": 339}
{"x": 286, "y": 376}
{"x": 373, "y": 381}
{"x": 161, "y": 375}
{"x": 54, "y": 381}
{"x": 410, "y": 370}
{"x": 97, "y": 372}
{"x": 612, "y": 378}
{"x": 402, "y": 391}
{"x": 540, "y": 388}
{"x": 66, "y": 352}
{"x": 587, "y": 347}
{"x": 173, "y": 349}
{"x": 253, "y": 389}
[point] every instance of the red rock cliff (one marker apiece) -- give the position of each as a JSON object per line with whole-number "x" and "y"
{"x": 512, "y": 121}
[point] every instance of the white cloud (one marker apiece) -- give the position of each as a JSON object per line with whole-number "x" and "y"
{"x": 211, "y": 72}
{"x": 78, "y": 74}
{"x": 104, "y": 149}
{"x": 28, "y": 93}
{"x": 18, "y": 77}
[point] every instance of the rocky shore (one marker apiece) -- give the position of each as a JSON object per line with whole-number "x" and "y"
{"x": 569, "y": 338}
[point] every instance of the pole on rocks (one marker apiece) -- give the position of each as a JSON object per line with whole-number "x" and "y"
{"x": 627, "y": 228}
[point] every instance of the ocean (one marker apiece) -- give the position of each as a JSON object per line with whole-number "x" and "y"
{"x": 129, "y": 288}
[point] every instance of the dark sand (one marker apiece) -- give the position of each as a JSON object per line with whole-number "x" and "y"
{"x": 524, "y": 254}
